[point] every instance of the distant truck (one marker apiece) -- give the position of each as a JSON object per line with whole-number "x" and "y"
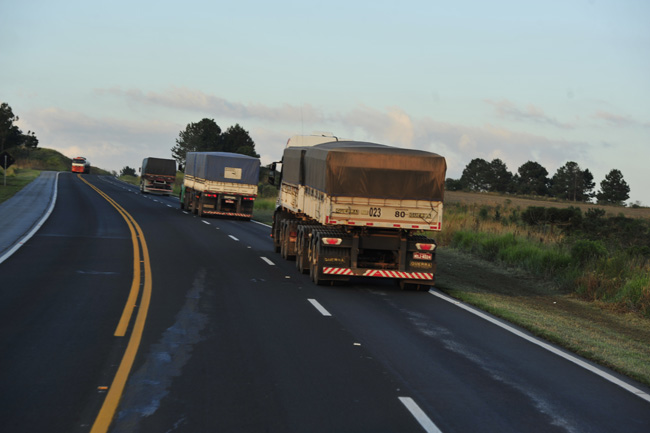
{"x": 350, "y": 208}
{"x": 220, "y": 183}
{"x": 157, "y": 176}
{"x": 80, "y": 165}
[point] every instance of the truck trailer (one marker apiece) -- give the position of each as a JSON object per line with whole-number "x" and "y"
{"x": 220, "y": 183}
{"x": 157, "y": 176}
{"x": 350, "y": 208}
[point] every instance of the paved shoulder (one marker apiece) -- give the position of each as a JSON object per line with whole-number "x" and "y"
{"x": 26, "y": 210}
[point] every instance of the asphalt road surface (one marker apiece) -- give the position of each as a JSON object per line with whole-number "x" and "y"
{"x": 225, "y": 336}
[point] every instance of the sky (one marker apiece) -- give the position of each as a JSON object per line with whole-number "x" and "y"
{"x": 545, "y": 81}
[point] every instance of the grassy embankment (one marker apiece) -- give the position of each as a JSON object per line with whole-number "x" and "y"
{"x": 589, "y": 295}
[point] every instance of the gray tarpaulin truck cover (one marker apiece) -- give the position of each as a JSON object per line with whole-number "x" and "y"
{"x": 159, "y": 166}
{"x": 223, "y": 167}
{"x": 360, "y": 169}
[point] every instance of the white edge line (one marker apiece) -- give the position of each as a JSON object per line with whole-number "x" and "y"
{"x": 419, "y": 415}
{"x": 28, "y": 236}
{"x": 233, "y": 238}
{"x": 319, "y": 307}
{"x": 616, "y": 381}
{"x": 262, "y": 224}
{"x": 268, "y": 261}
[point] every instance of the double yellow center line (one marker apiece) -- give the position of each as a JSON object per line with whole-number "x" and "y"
{"x": 140, "y": 262}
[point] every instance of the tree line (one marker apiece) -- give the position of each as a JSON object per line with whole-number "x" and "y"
{"x": 570, "y": 182}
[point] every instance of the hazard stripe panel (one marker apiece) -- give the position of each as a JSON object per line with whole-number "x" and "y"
{"x": 379, "y": 273}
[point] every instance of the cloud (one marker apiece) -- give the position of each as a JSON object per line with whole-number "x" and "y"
{"x": 184, "y": 99}
{"x": 508, "y": 110}
{"x": 612, "y": 119}
{"x": 109, "y": 143}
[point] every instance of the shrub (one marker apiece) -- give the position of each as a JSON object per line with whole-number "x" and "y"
{"x": 584, "y": 251}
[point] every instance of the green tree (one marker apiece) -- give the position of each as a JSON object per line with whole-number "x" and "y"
{"x": 613, "y": 189}
{"x": 499, "y": 178}
{"x": 237, "y": 140}
{"x": 203, "y": 136}
{"x": 476, "y": 175}
{"x": 10, "y": 134}
{"x": 532, "y": 179}
{"x": 128, "y": 171}
{"x": 570, "y": 182}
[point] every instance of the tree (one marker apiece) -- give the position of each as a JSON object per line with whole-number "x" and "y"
{"x": 499, "y": 178}
{"x": 237, "y": 140}
{"x": 453, "y": 184}
{"x": 476, "y": 175}
{"x": 613, "y": 189}
{"x": 532, "y": 179}
{"x": 203, "y": 136}
{"x": 128, "y": 171}
{"x": 572, "y": 183}
{"x": 206, "y": 136}
{"x": 10, "y": 134}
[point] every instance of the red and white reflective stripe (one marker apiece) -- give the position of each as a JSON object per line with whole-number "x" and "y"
{"x": 380, "y": 273}
{"x": 211, "y": 212}
{"x": 338, "y": 271}
{"x": 397, "y": 274}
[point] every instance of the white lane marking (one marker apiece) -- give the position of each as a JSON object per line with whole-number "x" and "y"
{"x": 205, "y": 222}
{"x": 616, "y": 381}
{"x": 262, "y": 224}
{"x": 319, "y": 307}
{"x": 268, "y": 261}
{"x": 28, "y": 236}
{"x": 419, "y": 415}
{"x": 169, "y": 205}
{"x": 185, "y": 212}
{"x": 233, "y": 238}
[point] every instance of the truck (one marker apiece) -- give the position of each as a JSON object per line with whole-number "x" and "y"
{"x": 157, "y": 176}
{"x": 80, "y": 165}
{"x": 357, "y": 209}
{"x": 220, "y": 183}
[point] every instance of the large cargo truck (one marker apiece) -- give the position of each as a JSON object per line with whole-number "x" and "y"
{"x": 157, "y": 176}
{"x": 80, "y": 165}
{"x": 359, "y": 209}
{"x": 220, "y": 183}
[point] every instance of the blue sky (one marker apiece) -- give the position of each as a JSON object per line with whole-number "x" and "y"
{"x": 550, "y": 82}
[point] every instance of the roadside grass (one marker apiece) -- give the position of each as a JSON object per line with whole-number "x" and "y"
{"x": 577, "y": 294}
{"x": 263, "y": 210}
{"x": 17, "y": 179}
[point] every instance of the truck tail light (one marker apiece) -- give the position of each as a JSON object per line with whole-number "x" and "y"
{"x": 249, "y": 198}
{"x": 332, "y": 241}
{"x": 425, "y": 247}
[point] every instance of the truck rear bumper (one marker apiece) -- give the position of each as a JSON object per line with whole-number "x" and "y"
{"x": 213, "y": 212}
{"x": 379, "y": 273}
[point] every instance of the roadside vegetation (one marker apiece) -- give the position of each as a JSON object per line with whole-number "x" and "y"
{"x": 16, "y": 179}
{"x": 583, "y": 278}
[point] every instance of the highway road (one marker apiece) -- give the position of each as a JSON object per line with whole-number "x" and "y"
{"x": 222, "y": 335}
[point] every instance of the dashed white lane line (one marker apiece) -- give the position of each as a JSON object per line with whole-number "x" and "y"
{"x": 616, "y": 381}
{"x": 319, "y": 307}
{"x": 268, "y": 261}
{"x": 233, "y": 238}
{"x": 419, "y": 415}
{"x": 205, "y": 222}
